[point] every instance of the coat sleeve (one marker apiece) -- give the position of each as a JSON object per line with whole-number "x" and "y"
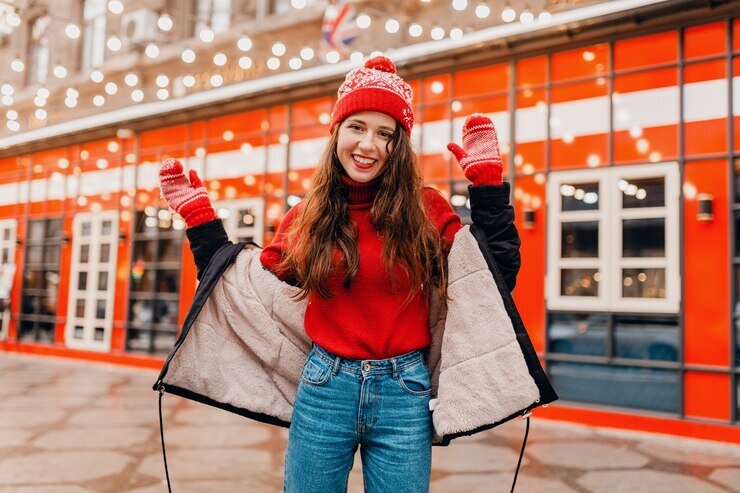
{"x": 491, "y": 212}
{"x": 205, "y": 240}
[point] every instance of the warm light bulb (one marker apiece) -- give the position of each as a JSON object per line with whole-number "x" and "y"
{"x": 273, "y": 63}
{"x": 17, "y": 65}
{"x": 415, "y": 30}
{"x": 164, "y": 22}
{"x": 245, "y": 62}
{"x": 437, "y": 33}
{"x": 206, "y": 35}
{"x": 72, "y": 31}
{"x": 152, "y": 50}
{"x": 219, "y": 59}
{"x": 244, "y": 43}
{"x": 392, "y": 26}
{"x": 111, "y": 88}
{"x": 508, "y": 14}
{"x": 363, "y": 21}
{"x": 188, "y": 55}
{"x": 307, "y": 53}
{"x": 295, "y": 63}
{"x": 115, "y": 6}
{"x": 99, "y": 100}
{"x": 114, "y": 43}
{"x": 482, "y": 11}
{"x": 96, "y": 76}
{"x": 137, "y": 95}
{"x": 278, "y": 49}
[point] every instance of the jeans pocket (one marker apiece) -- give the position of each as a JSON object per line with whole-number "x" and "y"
{"x": 415, "y": 380}
{"x": 315, "y": 371}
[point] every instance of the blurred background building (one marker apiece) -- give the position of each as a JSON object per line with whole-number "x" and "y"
{"x": 620, "y": 126}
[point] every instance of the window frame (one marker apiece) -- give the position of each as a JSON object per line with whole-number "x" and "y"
{"x": 610, "y": 260}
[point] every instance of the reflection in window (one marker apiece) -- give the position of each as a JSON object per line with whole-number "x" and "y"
{"x": 645, "y": 192}
{"x": 641, "y": 388}
{"x": 577, "y": 333}
{"x": 580, "y": 197}
{"x": 654, "y": 338}
{"x": 643, "y": 283}
{"x": 93, "y": 48}
{"x": 579, "y": 282}
{"x": 155, "y": 282}
{"x": 579, "y": 239}
{"x": 38, "y": 51}
{"x": 39, "y": 297}
{"x": 643, "y": 237}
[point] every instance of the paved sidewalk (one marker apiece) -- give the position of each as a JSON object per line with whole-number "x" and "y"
{"x": 76, "y": 427}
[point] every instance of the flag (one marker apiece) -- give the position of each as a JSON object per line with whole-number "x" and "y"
{"x": 339, "y": 30}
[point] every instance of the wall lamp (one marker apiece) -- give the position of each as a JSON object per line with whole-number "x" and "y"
{"x": 528, "y": 220}
{"x": 705, "y": 211}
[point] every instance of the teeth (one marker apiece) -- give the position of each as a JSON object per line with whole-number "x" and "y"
{"x": 363, "y": 160}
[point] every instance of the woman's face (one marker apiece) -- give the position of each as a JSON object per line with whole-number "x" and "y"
{"x": 361, "y": 144}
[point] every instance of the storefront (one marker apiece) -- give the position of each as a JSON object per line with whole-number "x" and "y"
{"x": 623, "y": 150}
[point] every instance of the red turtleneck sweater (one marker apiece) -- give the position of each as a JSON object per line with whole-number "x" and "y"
{"x": 366, "y": 321}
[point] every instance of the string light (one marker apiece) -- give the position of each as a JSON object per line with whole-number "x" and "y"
{"x": 245, "y": 62}
{"x": 39, "y": 101}
{"x": 219, "y": 59}
{"x": 273, "y": 63}
{"x": 188, "y": 55}
{"x": 544, "y": 17}
{"x": 59, "y": 71}
{"x": 244, "y": 43}
{"x": 11, "y": 115}
{"x": 131, "y": 79}
{"x": 307, "y": 53}
{"x": 163, "y": 94}
{"x": 437, "y": 33}
{"x": 332, "y": 56}
{"x": 7, "y": 90}
{"x": 482, "y": 11}
{"x": 72, "y": 31}
{"x": 152, "y": 50}
{"x": 137, "y": 95}
{"x": 216, "y": 80}
{"x": 508, "y": 14}
{"x": 456, "y": 33}
{"x": 13, "y": 126}
{"x": 115, "y": 6}
{"x": 206, "y": 35}
{"x": 526, "y": 17}
{"x": 40, "y": 114}
{"x": 17, "y": 65}
{"x": 7, "y": 100}
{"x": 392, "y": 26}
{"x": 99, "y": 100}
{"x": 363, "y": 21}
{"x": 96, "y": 76}
{"x": 164, "y": 22}
{"x": 278, "y": 49}
{"x": 13, "y": 19}
{"x": 295, "y": 63}
{"x": 298, "y": 4}
{"x": 459, "y": 4}
{"x": 114, "y": 43}
{"x": 162, "y": 80}
{"x": 357, "y": 58}
{"x": 415, "y": 30}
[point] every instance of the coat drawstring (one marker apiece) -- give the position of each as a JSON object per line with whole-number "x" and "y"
{"x": 161, "y": 435}
{"x": 521, "y": 452}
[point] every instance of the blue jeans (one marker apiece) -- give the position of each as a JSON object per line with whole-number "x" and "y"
{"x": 380, "y": 405}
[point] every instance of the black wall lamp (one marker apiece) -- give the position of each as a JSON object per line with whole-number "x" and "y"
{"x": 528, "y": 220}
{"x": 705, "y": 211}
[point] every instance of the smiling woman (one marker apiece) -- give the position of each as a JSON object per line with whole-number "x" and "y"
{"x": 364, "y": 143}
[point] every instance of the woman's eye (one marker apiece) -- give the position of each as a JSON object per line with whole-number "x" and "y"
{"x": 386, "y": 135}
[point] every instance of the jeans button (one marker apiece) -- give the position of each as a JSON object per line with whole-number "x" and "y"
{"x": 366, "y": 367}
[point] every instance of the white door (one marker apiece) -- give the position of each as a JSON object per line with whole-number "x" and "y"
{"x": 7, "y": 271}
{"x": 92, "y": 281}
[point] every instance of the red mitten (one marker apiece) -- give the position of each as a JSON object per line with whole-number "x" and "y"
{"x": 187, "y": 198}
{"x": 480, "y": 156}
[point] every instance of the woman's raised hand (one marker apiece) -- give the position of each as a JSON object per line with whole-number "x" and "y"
{"x": 479, "y": 156}
{"x": 187, "y": 198}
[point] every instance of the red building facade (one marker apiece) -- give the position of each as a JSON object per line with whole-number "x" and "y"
{"x": 616, "y": 147}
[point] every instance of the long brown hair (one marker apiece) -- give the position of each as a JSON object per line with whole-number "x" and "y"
{"x": 324, "y": 226}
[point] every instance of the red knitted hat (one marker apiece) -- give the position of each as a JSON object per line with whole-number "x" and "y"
{"x": 375, "y": 87}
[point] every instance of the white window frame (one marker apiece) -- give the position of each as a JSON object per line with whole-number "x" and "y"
{"x": 7, "y": 270}
{"x": 228, "y": 210}
{"x": 610, "y": 261}
{"x": 94, "y": 14}
{"x": 91, "y": 294}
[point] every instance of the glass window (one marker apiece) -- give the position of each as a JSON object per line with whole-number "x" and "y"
{"x": 631, "y": 53}
{"x": 633, "y": 387}
{"x": 643, "y": 338}
{"x": 579, "y": 197}
{"x": 38, "y": 51}
{"x": 577, "y": 333}
{"x": 579, "y": 282}
{"x": 579, "y": 239}
{"x": 589, "y": 61}
{"x": 39, "y": 291}
{"x": 215, "y": 14}
{"x": 93, "y": 48}
{"x": 643, "y": 283}
{"x": 643, "y": 237}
